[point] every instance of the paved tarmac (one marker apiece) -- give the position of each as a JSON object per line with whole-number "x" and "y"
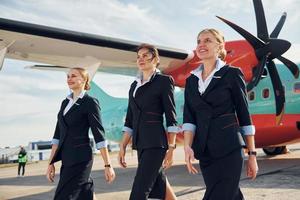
{"x": 279, "y": 178}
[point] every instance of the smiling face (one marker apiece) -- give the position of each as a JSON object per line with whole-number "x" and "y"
{"x": 207, "y": 47}
{"x": 210, "y": 45}
{"x": 75, "y": 80}
{"x": 147, "y": 59}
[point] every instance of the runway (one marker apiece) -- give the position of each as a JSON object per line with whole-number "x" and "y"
{"x": 278, "y": 178}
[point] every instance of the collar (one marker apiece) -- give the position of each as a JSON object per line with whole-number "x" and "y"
{"x": 198, "y": 71}
{"x": 139, "y": 76}
{"x": 80, "y": 96}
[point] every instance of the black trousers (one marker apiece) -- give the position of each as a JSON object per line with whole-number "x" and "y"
{"x": 75, "y": 182}
{"x": 222, "y": 176}
{"x": 21, "y": 165}
{"x": 150, "y": 180}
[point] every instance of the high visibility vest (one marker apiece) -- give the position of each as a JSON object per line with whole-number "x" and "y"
{"x": 22, "y": 158}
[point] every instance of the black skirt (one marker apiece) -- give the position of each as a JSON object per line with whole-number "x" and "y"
{"x": 222, "y": 176}
{"x": 150, "y": 180}
{"x": 75, "y": 182}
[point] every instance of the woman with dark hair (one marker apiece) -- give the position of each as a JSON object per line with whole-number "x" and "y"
{"x": 79, "y": 112}
{"x": 150, "y": 97}
{"x": 215, "y": 109}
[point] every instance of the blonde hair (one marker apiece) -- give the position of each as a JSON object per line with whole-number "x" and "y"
{"x": 85, "y": 75}
{"x": 220, "y": 39}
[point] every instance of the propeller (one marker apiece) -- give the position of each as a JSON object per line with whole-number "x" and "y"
{"x": 278, "y": 90}
{"x": 267, "y": 48}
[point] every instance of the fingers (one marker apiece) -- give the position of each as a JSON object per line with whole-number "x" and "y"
{"x": 106, "y": 175}
{"x": 252, "y": 171}
{"x": 50, "y": 174}
{"x": 121, "y": 159}
{"x": 189, "y": 165}
{"x": 109, "y": 175}
{"x": 189, "y": 154}
{"x": 191, "y": 168}
{"x": 167, "y": 163}
{"x": 48, "y": 177}
{"x": 112, "y": 177}
{"x": 51, "y": 177}
{"x": 189, "y": 157}
{"x": 252, "y": 174}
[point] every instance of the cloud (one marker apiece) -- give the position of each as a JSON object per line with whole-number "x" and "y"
{"x": 167, "y": 23}
{"x": 23, "y": 131}
{"x": 202, "y": 8}
{"x": 110, "y": 18}
{"x": 32, "y": 98}
{"x": 293, "y": 53}
{"x": 28, "y": 92}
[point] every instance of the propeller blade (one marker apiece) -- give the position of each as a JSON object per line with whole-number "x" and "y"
{"x": 278, "y": 47}
{"x": 290, "y": 65}
{"x": 262, "y": 30}
{"x": 257, "y": 74}
{"x": 279, "y": 26}
{"x": 278, "y": 91}
{"x": 273, "y": 48}
{"x": 254, "y": 41}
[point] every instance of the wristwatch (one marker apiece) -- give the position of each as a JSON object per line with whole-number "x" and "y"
{"x": 254, "y": 153}
{"x": 173, "y": 146}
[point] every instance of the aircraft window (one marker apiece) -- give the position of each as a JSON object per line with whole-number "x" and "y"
{"x": 297, "y": 88}
{"x": 266, "y": 93}
{"x": 251, "y": 96}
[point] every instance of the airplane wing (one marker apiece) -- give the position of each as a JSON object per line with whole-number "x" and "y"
{"x": 61, "y": 48}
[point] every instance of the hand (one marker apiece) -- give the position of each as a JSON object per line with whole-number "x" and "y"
{"x": 168, "y": 161}
{"x": 121, "y": 156}
{"x": 50, "y": 173}
{"x": 189, "y": 157}
{"x": 252, "y": 167}
{"x": 109, "y": 174}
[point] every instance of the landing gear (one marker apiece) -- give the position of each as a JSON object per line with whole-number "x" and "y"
{"x": 271, "y": 151}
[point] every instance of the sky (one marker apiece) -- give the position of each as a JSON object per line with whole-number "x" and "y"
{"x": 30, "y": 99}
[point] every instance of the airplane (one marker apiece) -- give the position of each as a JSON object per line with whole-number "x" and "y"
{"x": 276, "y": 115}
{"x": 261, "y": 105}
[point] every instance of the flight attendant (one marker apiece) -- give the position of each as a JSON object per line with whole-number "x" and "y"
{"x": 79, "y": 112}
{"x": 151, "y": 96}
{"x": 216, "y": 118}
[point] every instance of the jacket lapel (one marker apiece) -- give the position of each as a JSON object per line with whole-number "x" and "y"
{"x": 199, "y": 101}
{"x": 140, "y": 89}
{"x": 131, "y": 97}
{"x": 216, "y": 79}
{"x": 61, "y": 112}
{"x": 64, "y": 105}
{"x": 61, "y": 120}
{"x": 76, "y": 105}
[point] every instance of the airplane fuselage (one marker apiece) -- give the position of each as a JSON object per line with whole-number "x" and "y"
{"x": 261, "y": 105}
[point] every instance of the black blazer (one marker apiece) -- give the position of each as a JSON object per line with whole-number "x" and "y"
{"x": 72, "y": 130}
{"x": 145, "y": 112}
{"x": 217, "y": 113}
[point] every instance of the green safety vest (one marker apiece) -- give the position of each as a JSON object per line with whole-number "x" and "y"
{"x": 22, "y": 158}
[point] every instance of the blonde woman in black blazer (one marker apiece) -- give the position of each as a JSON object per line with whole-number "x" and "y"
{"x": 150, "y": 97}
{"x": 79, "y": 112}
{"x": 215, "y": 115}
